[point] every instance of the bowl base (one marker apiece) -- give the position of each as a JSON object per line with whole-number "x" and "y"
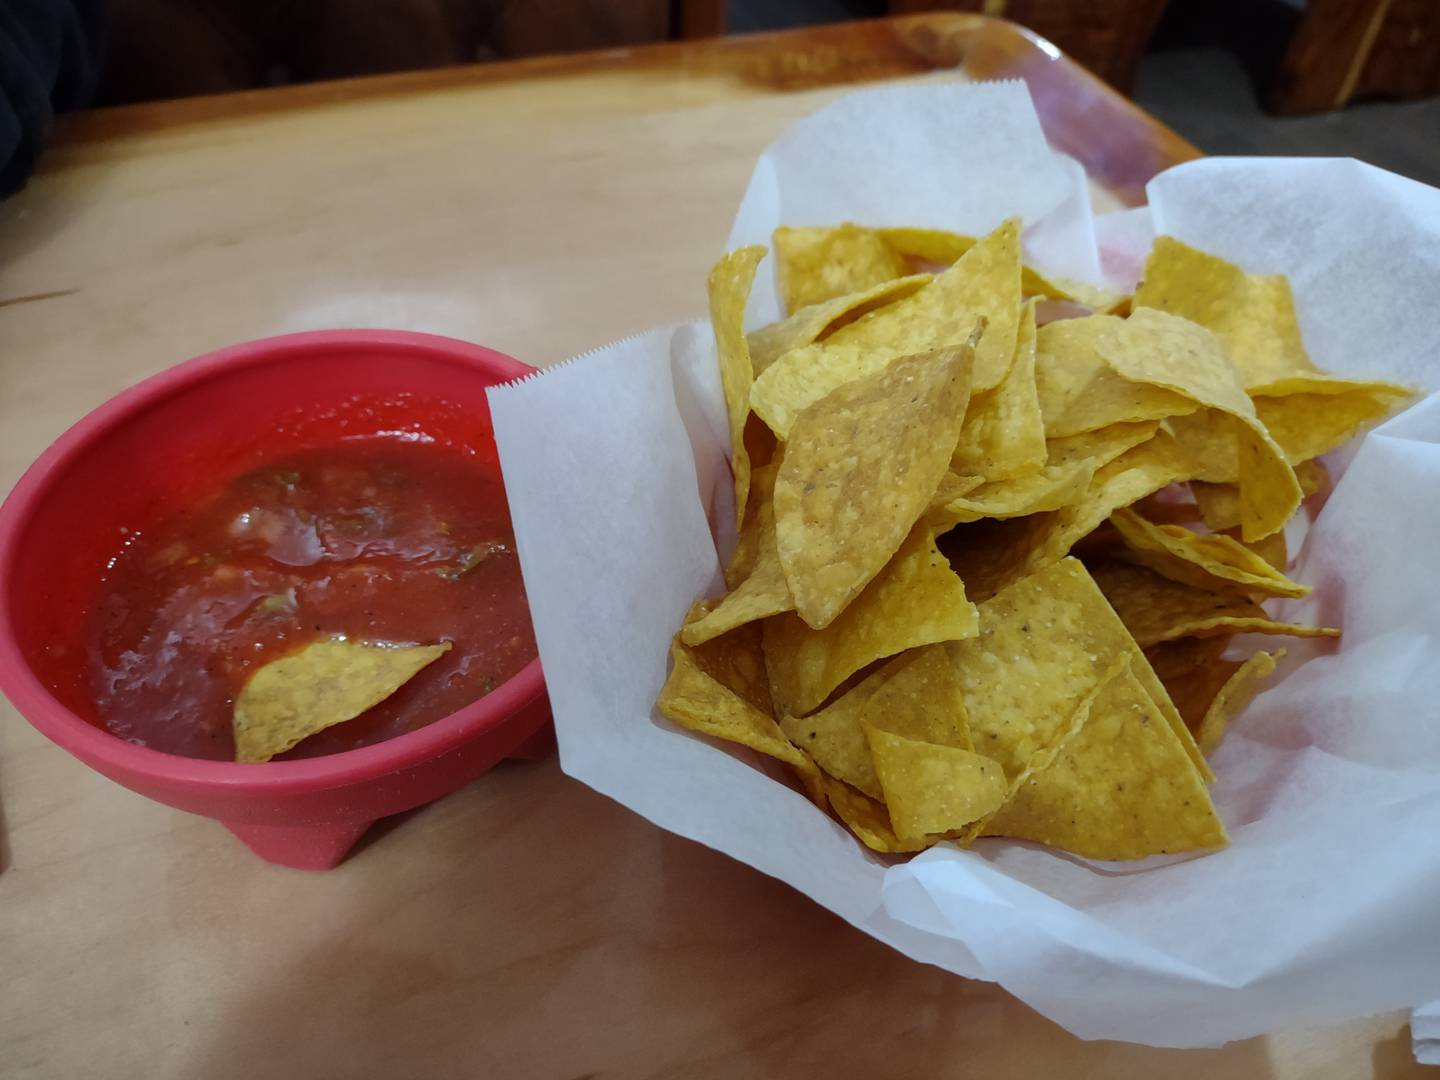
{"x": 301, "y": 847}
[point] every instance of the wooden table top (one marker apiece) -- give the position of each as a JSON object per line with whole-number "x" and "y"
{"x": 524, "y": 925}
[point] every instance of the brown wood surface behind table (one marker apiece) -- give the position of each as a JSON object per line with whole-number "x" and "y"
{"x": 1119, "y": 144}
{"x": 1106, "y": 36}
{"x": 1350, "y": 50}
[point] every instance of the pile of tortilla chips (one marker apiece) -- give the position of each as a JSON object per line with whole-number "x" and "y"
{"x": 997, "y": 533}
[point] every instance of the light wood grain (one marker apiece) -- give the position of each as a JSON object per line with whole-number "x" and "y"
{"x": 525, "y": 926}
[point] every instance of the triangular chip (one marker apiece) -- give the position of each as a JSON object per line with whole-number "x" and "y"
{"x": 696, "y": 701}
{"x": 931, "y": 788}
{"x": 1121, "y": 786}
{"x": 1253, "y": 315}
{"x": 1156, "y": 609}
{"x": 736, "y": 660}
{"x": 860, "y": 468}
{"x": 983, "y": 286}
{"x": 1212, "y": 562}
{"x": 324, "y": 684}
{"x": 917, "y": 695}
{"x": 868, "y": 819}
{"x": 1044, "y": 644}
{"x": 1308, "y": 425}
{"x": 915, "y": 600}
{"x": 1052, "y": 487}
{"x": 1100, "y": 446}
{"x": 810, "y": 324}
{"x": 747, "y": 545}
{"x": 818, "y": 263}
{"x": 729, "y": 286}
{"x": 1237, "y": 692}
{"x": 1004, "y": 433}
{"x": 1152, "y": 348}
{"x": 762, "y": 594}
{"x": 1079, "y": 393}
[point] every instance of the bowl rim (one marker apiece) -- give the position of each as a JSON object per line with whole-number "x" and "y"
{"x": 104, "y": 750}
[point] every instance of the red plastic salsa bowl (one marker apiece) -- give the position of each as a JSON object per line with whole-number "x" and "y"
{"x": 159, "y": 446}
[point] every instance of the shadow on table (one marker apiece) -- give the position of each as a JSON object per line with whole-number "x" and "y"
{"x": 530, "y": 927}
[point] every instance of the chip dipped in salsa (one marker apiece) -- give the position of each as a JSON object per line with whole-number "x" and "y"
{"x": 381, "y": 542}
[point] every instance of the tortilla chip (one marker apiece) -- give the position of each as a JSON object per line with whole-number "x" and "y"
{"x": 324, "y": 684}
{"x": 736, "y": 660}
{"x": 984, "y": 285}
{"x": 1156, "y": 609}
{"x": 1004, "y": 434}
{"x": 1312, "y": 476}
{"x": 763, "y": 592}
{"x": 1100, "y": 446}
{"x": 915, "y": 600}
{"x": 939, "y": 247}
{"x": 869, "y": 820}
{"x": 729, "y": 285}
{"x": 916, "y": 695}
{"x": 1044, "y": 644}
{"x": 1308, "y": 425}
{"x": 1079, "y": 392}
{"x": 815, "y": 264}
{"x": 810, "y": 324}
{"x": 1121, "y": 785}
{"x": 1178, "y": 659}
{"x": 697, "y": 702}
{"x": 1273, "y": 549}
{"x": 1051, "y": 488}
{"x": 860, "y": 468}
{"x": 1154, "y": 348}
{"x": 1253, "y": 315}
{"x": 747, "y": 545}
{"x": 1237, "y": 692}
{"x": 930, "y": 788}
{"x": 1213, "y": 562}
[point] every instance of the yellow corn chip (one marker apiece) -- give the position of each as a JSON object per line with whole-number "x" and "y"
{"x": 762, "y": 594}
{"x": 1051, "y": 488}
{"x": 941, "y": 248}
{"x": 324, "y": 684}
{"x": 1004, "y": 434}
{"x": 1100, "y": 446}
{"x": 1122, "y": 785}
{"x": 1078, "y": 391}
{"x": 736, "y": 660}
{"x": 747, "y": 546}
{"x": 1219, "y": 504}
{"x": 1154, "y": 348}
{"x": 860, "y": 468}
{"x": 803, "y": 376}
{"x": 697, "y": 702}
{"x": 1211, "y": 562}
{"x": 1156, "y": 609}
{"x": 1044, "y": 644}
{"x": 930, "y": 788}
{"x": 916, "y": 695}
{"x": 983, "y": 285}
{"x": 1312, "y": 476}
{"x": 729, "y": 284}
{"x": 815, "y": 264}
{"x": 1308, "y": 425}
{"x": 1237, "y": 692}
{"x": 915, "y": 600}
{"x": 1252, "y": 315}
{"x": 869, "y": 820}
{"x": 810, "y": 324}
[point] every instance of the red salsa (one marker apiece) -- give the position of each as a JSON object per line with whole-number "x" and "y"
{"x": 380, "y": 540}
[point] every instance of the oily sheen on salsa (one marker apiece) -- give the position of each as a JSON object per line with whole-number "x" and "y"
{"x": 378, "y": 540}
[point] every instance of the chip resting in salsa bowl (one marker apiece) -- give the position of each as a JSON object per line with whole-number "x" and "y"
{"x": 998, "y": 531}
{"x": 324, "y": 601}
